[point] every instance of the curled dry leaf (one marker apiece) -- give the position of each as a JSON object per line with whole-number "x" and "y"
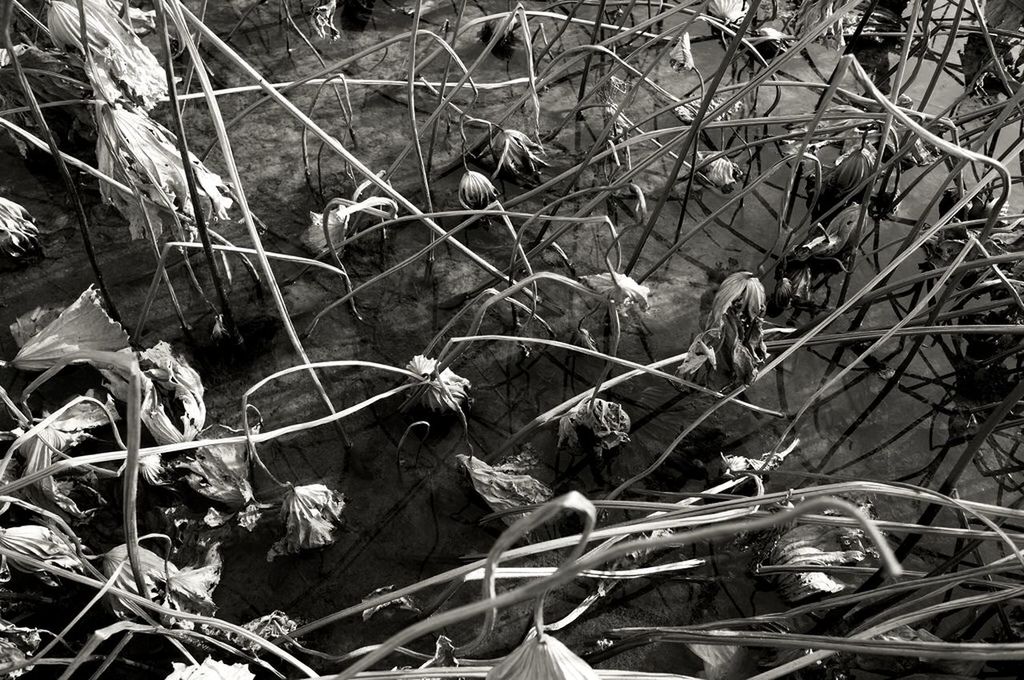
{"x": 322, "y": 17}
{"x": 504, "y": 487}
{"x": 122, "y": 67}
{"x": 404, "y": 603}
{"x": 723, "y": 662}
{"x": 735, "y": 465}
{"x": 211, "y": 669}
{"x": 139, "y": 152}
{"x": 542, "y": 658}
{"x": 17, "y": 644}
{"x": 810, "y": 545}
{"x": 606, "y": 422}
{"x": 38, "y": 543}
{"x": 186, "y": 589}
{"x": 83, "y": 326}
{"x": 269, "y": 627}
{"x": 831, "y": 240}
{"x": 220, "y": 471}
{"x": 681, "y": 56}
{"x": 311, "y": 514}
{"x": 61, "y": 435}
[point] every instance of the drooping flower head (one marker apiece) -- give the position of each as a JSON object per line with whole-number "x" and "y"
{"x": 138, "y": 151}
{"x": 311, "y": 514}
{"x": 476, "y": 191}
{"x": 444, "y": 391}
{"x": 19, "y": 237}
{"x": 741, "y": 292}
{"x": 620, "y": 289}
{"x": 121, "y": 67}
{"x": 851, "y": 168}
{"x": 516, "y": 154}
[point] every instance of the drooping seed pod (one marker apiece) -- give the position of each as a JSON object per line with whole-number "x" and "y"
{"x": 781, "y": 296}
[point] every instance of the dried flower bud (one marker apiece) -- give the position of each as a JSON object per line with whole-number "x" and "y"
{"x": 831, "y": 240}
{"x": 443, "y": 392}
{"x": 311, "y": 513}
{"x": 38, "y": 543}
{"x": 851, "y": 169}
{"x": 516, "y": 154}
{"x": 476, "y": 191}
{"x": 780, "y": 298}
{"x": 211, "y": 669}
{"x": 813, "y": 545}
{"x": 19, "y": 237}
{"x": 721, "y": 172}
{"x": 542, "y": 658}
{"x": 620, "y": 289}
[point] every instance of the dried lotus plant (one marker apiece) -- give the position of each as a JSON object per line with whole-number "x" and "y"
{"x": 732, "y": 341}
{"x": 810, "y": 545}
{"x": 82, "y": 327}
{"x": 603, "y": 424}
{"x": 186, "y": 589}
{"x": 139, "y": 152}
{"x": 504, "y": 487}
{"x": 119, "y": 65}
{"x": 311, "y": 514}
